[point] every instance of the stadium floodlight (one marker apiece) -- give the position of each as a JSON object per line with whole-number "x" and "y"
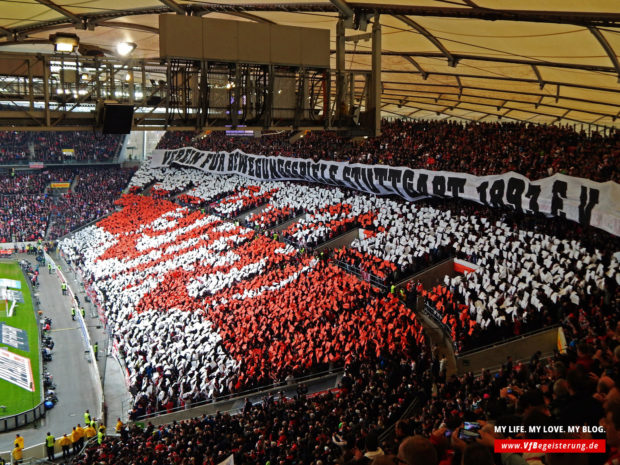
{"x": 125, "y": 48}
{"x": 64, "y": 42}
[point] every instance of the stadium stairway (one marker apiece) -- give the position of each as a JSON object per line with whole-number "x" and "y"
{"x": 31, "y": 150}
{"x": 245, "y": 215}
{"x": 343, "y": 240}
{"x": 439, "y": 338}
{"x": 282, "y": 226}
{"x": 74, "y": 184}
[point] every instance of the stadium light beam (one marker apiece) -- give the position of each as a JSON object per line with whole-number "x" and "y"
{"x": 125, "y": 48}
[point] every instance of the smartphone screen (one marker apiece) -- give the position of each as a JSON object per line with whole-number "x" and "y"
{"x": 468, "y": 436}
{"x": 472, "y": 426}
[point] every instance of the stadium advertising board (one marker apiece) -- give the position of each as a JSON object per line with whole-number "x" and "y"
{"x": 16, "y": 369}
{"x": 14, "y": 337}
{"x": 4, "y": 282}
{"x": 12, "y": 295}
{"x": 577, "y": 199}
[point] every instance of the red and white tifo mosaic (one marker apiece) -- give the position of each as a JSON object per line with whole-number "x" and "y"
{"x": 200, "y": 305}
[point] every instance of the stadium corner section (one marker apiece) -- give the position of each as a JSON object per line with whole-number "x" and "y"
{"x": 19, "y": 335}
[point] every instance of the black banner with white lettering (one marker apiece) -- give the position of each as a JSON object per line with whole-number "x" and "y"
{"x": 577, "y": 199}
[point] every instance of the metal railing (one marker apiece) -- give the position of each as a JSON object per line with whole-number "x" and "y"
{"x": 431, "y": 312}
{"x": 409, "y": 411}
{"x": 270, "y": 229}
{"x": 436, "y": 317}
{"x": 410, "y": 276}
{"x": 22, "y": 419}
{"x": 509, "y": 340}
{"x": 310, "y": 378}
{"x": 363, "y": 275}
{"x": 22, "y": 163}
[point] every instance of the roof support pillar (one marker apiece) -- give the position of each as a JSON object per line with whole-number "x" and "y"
{"x": 417, "y": 66}
{"x": 374, "y": 109}
{"x": 607, "y": 47}
{"x": 341, "y": 89}
{"x": 174, "y": 6}
{"x": 63, "y": 11}
{"x": 46, "y": 91}
{"x": 346, "y": 13}
{"x": 541, "y": 83}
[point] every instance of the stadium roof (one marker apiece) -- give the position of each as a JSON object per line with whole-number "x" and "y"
{"x": 543, "y": 61}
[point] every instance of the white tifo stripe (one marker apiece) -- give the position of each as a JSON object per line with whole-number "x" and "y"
{"x": 191, "y": 344}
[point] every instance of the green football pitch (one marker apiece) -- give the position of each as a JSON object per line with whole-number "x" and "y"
{"x": 15, "y": 398}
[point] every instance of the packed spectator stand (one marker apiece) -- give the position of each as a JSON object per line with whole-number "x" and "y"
{"x": 30, "y": 209}
{"x": 396, "y": 239}
{"x": 225, "y": 271}
{"x": 23, "y": 147}
{"x": 535, "y": 151}
{"x": 203, "y": 304}
{"x": 578, "y": 387}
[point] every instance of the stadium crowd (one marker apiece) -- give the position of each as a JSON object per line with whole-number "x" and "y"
{"x": 169, "y": 258}
{"x": 536, "y": 151}
{"x": 16, "y": 147}
{"x": 93, "y": 197}
{"x": 201, "y": 307}
{"x": 30, "y": 209}
{"x": 457, "y": 420}
{"x": 219, "y": 286}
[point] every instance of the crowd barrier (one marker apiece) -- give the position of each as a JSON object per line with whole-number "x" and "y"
{"x": 436, "y": 317}
{"x": 22, "y": 419}
{"x": 14, "y": 247}
{"x": 25, "y": 164}
{"x": 195, "y": 409}
{"x": 363, "y": 275}
{"x": 37, "y": 454}
{"x": 503, "y": 342}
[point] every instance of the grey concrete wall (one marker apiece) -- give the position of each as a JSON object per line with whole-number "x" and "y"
{"x": 431, "y": 276}
{"x": 520, "y": 349}
{"x": 249, "y": 213}
{"x": 286, "y": 224}
{"x": 235, "y": 405}
{"x": 344, "y": 240}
